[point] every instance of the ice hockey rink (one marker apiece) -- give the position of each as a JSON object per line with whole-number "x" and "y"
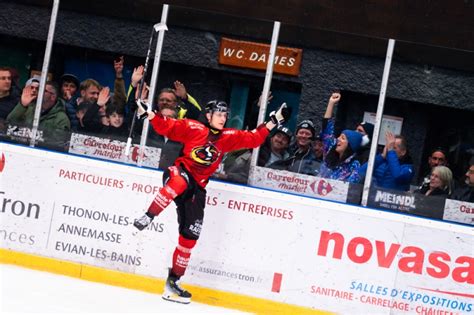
{"x": 31, "y": 291}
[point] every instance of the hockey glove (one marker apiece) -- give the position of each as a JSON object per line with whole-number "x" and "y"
{"x": 281, "y": 115}
{"x": 142, "y": 109}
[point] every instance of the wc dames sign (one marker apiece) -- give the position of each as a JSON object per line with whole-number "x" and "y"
{"x": 252, "y": 55}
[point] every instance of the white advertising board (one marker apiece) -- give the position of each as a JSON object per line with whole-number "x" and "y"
{"x": 261, "y": 243}
{"x": 459, "y": 211}
{"x": 307, "y": 185}
{"x": 113, "y": 150}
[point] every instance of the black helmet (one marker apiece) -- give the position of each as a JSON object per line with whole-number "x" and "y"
{"x": 217, "y": 106}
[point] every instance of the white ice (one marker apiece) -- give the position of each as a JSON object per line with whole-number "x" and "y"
{"x": 30, "y": 291}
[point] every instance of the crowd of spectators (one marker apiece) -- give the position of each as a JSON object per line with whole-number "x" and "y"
{"x": 89, "y": 107}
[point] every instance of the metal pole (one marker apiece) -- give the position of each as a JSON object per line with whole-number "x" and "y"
{"x": 266, "y": 85}
{"x": 378, "y": 122}
{"x": 154, "y": 77}
{"x": 44, "y": 72}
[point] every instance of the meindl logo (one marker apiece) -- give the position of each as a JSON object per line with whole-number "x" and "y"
{"x": 394, "y": 199}
{"x": 2, "y": 163}
{"x": 412, "y": 259}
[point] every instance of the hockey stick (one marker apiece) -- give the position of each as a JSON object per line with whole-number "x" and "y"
{"x": 157, "y": 27}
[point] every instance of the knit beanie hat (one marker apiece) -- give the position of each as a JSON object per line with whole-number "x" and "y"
{"x": 354, "y": 138}
{"x": 306, "y": 124}
{"x": 368, "y": 127}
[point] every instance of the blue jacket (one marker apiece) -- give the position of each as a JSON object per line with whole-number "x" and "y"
{"x": 347, "y": 170}
{"x": 391, "y": 172}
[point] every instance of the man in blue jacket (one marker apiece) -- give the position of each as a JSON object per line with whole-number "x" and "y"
{"x": 393, "y": 169}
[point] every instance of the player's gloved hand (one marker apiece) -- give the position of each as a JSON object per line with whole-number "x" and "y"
{"x": 143, "y": 109}
{"x": 281, "y": 115}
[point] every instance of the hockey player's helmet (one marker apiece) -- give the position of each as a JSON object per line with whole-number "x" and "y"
{"x": 217, "y": 106}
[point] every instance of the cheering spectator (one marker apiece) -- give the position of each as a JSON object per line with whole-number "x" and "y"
{"x": 275, "y": 147}
{"x": 339, "y": 162}
{"x": 393, "y": 169}
{"x": 441, "y": 183}
{"x": 89, "y": 92}
{"x": 95, "y": 118}
{"x": 34, "y": 82}
{"x": 302, "y": 157}
{"x": 53, "y": 115}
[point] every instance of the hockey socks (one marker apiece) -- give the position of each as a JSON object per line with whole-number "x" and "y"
{"x": 175, "y": 186}
{"x": 181, "y": 255}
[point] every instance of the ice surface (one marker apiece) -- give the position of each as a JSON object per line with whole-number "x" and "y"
{"x": 30, "y": 291}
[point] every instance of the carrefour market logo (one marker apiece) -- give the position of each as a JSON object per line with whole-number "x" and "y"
{"x": 205, "y": 155}
{"x": 2, "y": 163}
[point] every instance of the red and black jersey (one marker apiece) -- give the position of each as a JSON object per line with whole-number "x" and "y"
{"x": 203, "y": 149}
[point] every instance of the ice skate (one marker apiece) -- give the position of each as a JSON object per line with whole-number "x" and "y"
{"x": 173, "y": 292}
{"x": 142, "y": 222}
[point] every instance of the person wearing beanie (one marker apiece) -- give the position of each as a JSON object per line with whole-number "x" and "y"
{"x": 393, "y": 169}
{"x": 275, "y": 148}
{"x": 338, "y": 159}
{"x": 366, "y": 129}
{"x": 302, "y": 158}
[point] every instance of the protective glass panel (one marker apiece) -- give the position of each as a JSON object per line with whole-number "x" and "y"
{"x": 426, "y": 139}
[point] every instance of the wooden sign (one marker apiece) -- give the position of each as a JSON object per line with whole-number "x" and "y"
{"x": 255, "y": 55}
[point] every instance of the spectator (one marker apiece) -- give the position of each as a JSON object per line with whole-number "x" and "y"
{"x": 188, "y": 107}
{"x": 438, "y": 157}
{"x": 185, "y": 104}
{"x": 367, "y": 131}
{"x": 69, "y": 86}
{"x": 393, "y": 169}
{"x": 95, "y": 119}
{"x": 116, "y": 124}
{"x": 441, "y": 183}
{"x": 338, "y": 161}
{"x": 318, "y": 148}
{"x": 34, "y": 82}
{"x": 466, "y": 193}
{"x": 275, "y": 147}
{"x": 302, "y": 158}
{"x": 8, "y": 95}
{"x": 119, "y": 97}
{"x": 89, "y": 92}
{"x": 53, "y": 115}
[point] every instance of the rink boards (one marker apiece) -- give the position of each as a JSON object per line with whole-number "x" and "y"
{"x": 258, "y": 248}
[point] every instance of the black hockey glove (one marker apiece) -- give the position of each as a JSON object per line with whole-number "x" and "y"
{"x": 281, "y": 115}
{"x": 142, "y": 109}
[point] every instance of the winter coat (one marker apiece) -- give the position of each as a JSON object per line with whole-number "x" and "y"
{"x": 7, "y": 104}
{"x": 391, "y": 172}
{"x": 53, "y": 119}
{"x": 465, "y": 193}
{"x": 347, "y": 170}
{"x": 436, "y": 192}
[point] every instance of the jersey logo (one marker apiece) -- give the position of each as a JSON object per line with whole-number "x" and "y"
{"x": 205, "y": 155}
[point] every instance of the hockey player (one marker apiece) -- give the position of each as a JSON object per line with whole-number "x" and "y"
{"x": 204, "y": 146}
